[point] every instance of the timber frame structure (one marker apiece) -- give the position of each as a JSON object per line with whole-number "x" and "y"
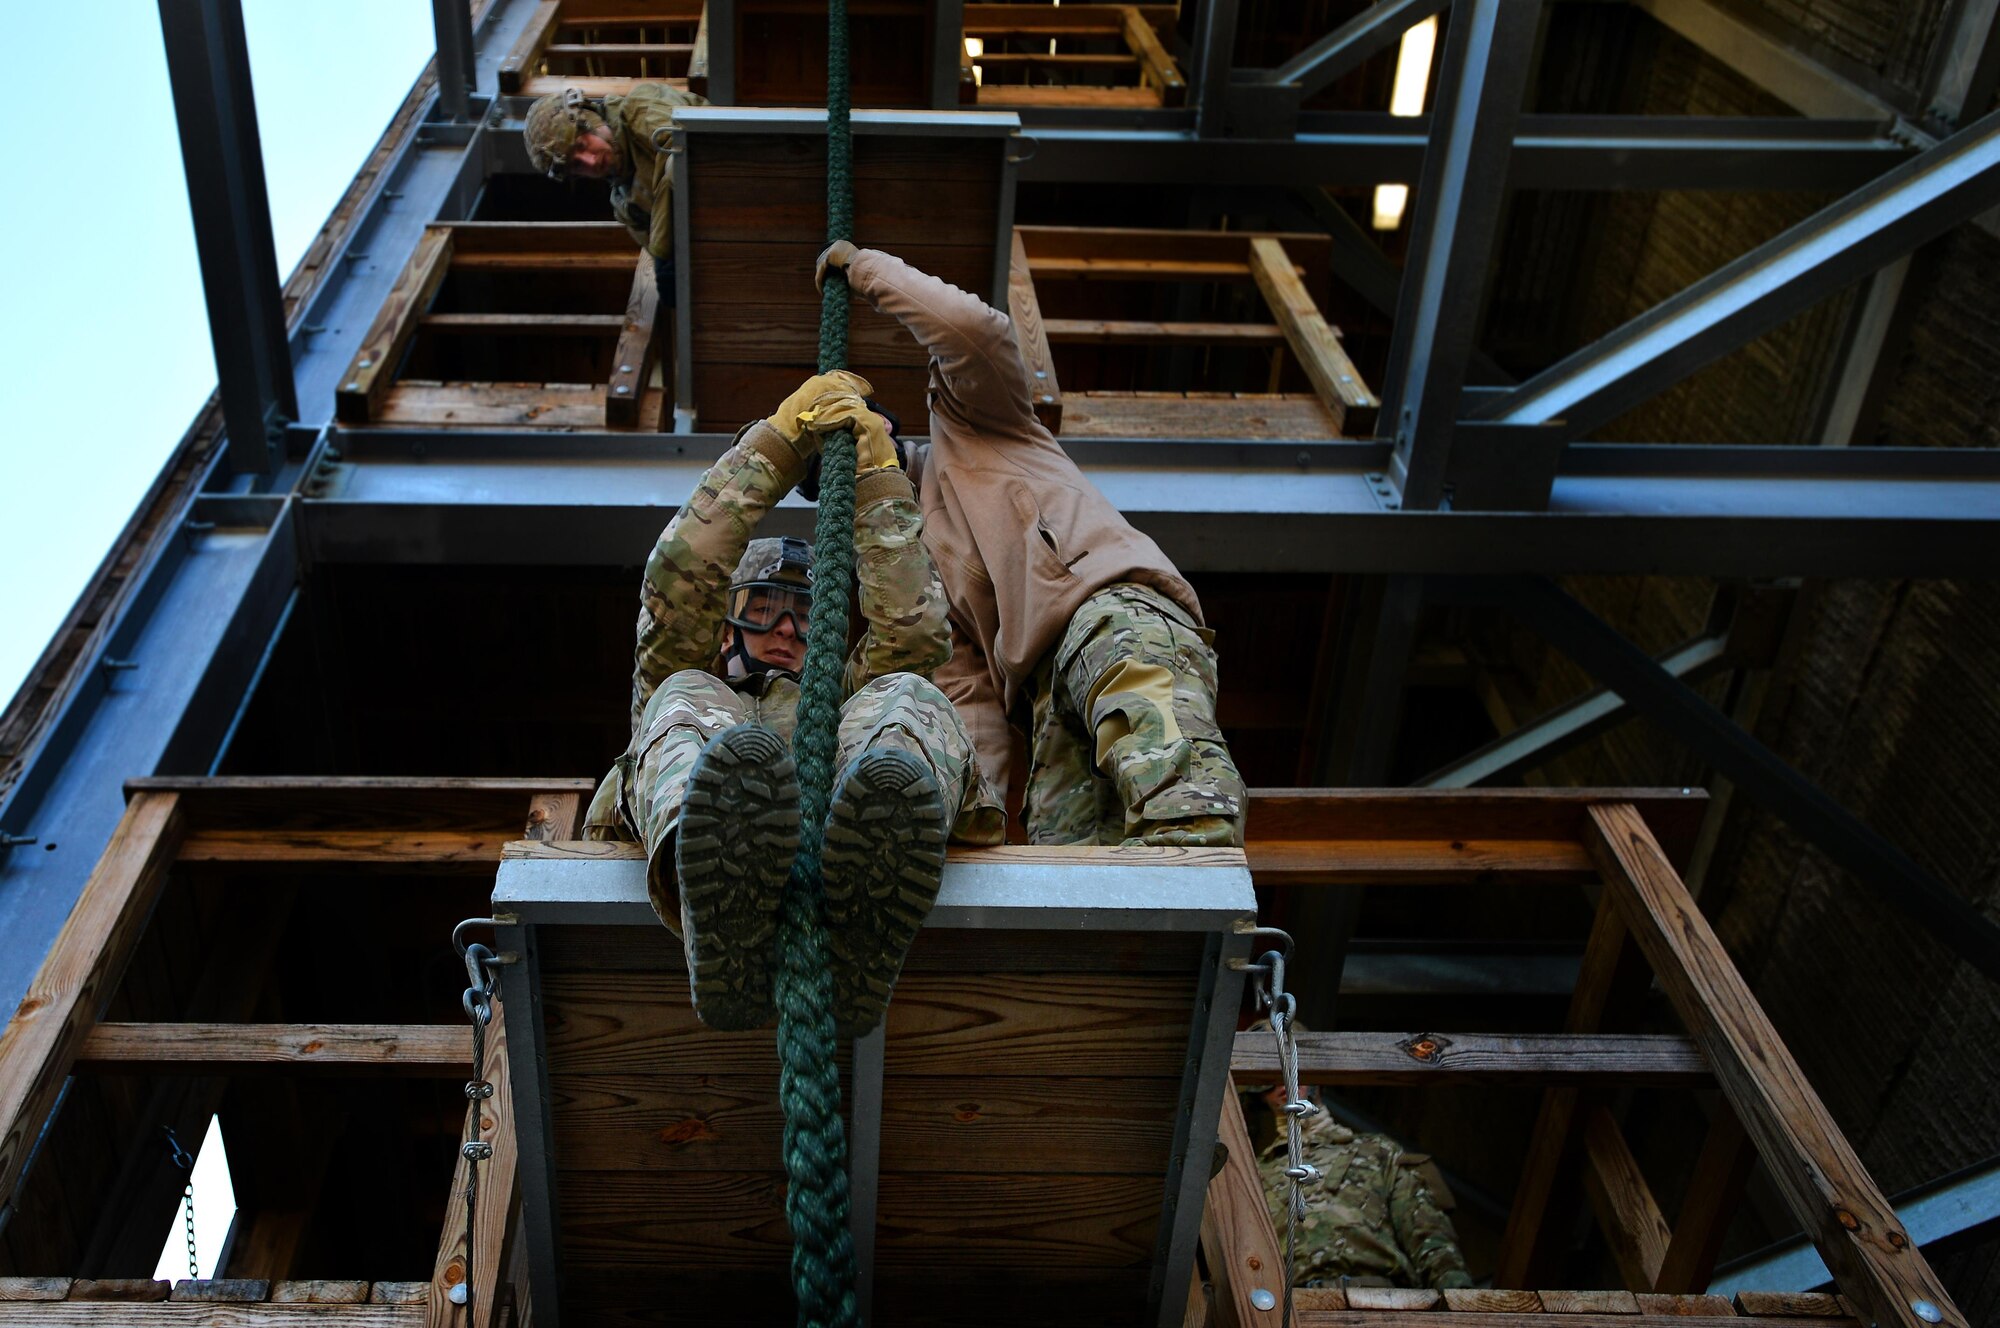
{"x": 463, "y": 374}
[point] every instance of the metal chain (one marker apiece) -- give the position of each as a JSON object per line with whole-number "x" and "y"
{"x": 478, "y": 1003}
{"x": 185, "y": 1161}
{"x": 1271, "y": 994}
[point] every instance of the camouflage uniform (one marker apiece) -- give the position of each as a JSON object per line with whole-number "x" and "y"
{"x": 1372, "y": 1219}
{"x": 641, "y": 124}
{"x": 679, "y": 699}
{"x": 1129, "y": 693}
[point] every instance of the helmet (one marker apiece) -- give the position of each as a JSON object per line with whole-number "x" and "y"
{"x": 552, "y": 125}
{"x": 772, "y": 582}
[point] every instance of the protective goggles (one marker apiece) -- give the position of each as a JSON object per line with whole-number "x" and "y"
{"x": 762, "y": 605}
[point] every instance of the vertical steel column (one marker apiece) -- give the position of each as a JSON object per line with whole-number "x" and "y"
{"x": 534, "y": 1138}
{"x": 1218, "y": 51}
{"x": 208, "y": 64}
{"x": 721, "y": 53}
{"x": 947, "y": 47}
{"x": 455, "y": 73}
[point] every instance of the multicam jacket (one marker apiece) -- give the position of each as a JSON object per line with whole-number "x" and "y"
{"x": 642, "y": 124}
{"x": 1371, "y": 1219}
{"x": 686, "y": 588}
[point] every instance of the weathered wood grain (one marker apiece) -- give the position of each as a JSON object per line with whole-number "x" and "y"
{"x": 79, "y": 974}
{"x": 1000, "y": 96}
{"x": 641, "y": 332}
{"x": 1334, "y": 376}
{"x": 73, "y": 1313}
{"x": 1237, "y": 1243}
{"x": 1685, "y": 1306}
{"x": 554, "y": 816}
{"x": 1488, "y": 1300}
{"x": 1398, "y": 1300}
{"x": 1178, "y": 415}
{"x": 1157, "y": 69}
{"x": 1627, "y": 1213}
{"x": 524, "y": 57}
{"x": 425, "y": 1050}
{"x": 347, "y": 847}
{"x": 226, "y": 1290}
{"x": 320, "y": 1293}
{"x": 493, "y": 1201}
{"x": 34, "y": 1288}
{"x": 122, "y": 1290}
{"x": 373, "y": 369}
{"x": 1823, "y": 1181}
{"x": 1412, "y": 1059}
{"x": 1141, "y": 332}
{"x": 555, "y": 406}
{"x": 1714, "y": 1190}
{"x": 1589, "y": 1302}
{"x": 1793, "y": 1304}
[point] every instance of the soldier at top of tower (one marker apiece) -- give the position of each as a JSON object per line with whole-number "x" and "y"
{"x": 1066, "y": 619}
{"x": 623, "y": 140}
{"x": 707, "y": 782}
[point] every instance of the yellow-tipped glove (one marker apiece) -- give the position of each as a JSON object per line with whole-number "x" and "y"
{"x": 836, "y": 255}
{"x": 791, "y": 418}
{"x": 874, "y": 449}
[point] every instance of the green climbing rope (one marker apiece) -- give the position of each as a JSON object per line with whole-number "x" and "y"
{"x": 816, "y": 1200}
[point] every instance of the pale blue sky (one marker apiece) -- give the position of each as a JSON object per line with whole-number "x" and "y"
{"x": 102, "y": 328}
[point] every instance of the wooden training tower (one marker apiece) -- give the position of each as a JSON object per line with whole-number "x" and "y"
{"x": 1031, "y": 1135}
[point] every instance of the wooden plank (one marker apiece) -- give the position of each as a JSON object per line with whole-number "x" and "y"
{"x": 423, "y": 1050}
{"x": 640, "y": 334}
{"x": 554, "y": 406}
{"x": 1108, "y": 415}
{"x": 1482, "y": 1299}
{"x": 1334, "y": 376}
{"x": 623, "y": 50}
{"x": 1627, "y": 1213}
{"x": 320, "y": 1293}
{"x": 1031, "y": 336}
{"x": 1579, "y": 1319}
{"x": 1134, "y": 269}
{"x": 736, "y": 332}
{"x": 1057, "y": 60}
{"x": 1793, "y": 1304}
{"x": 714, "y": 1221}
{"x": 222, "y": 1290}
{"x": 398, "y": 1293}
{"x": 1001, "y": 96}
{"x": 494, "y": 1202}
{"x": 1401, "y": 1300}
{"x": 1589, "y": 1302}
{"x": 1237, "y": 1243}
{"x": 554, "y": 816}
{"x": 80, "y": 973}
{"x": 1830, "y": 1193}
{"x": 1715, "y": 1189}
{"x": 543, "y": 84}
{"x": 34, "y": 1288}
{"x": 939, "y": 1024}
{"x": 1157, "y": 69}
{"x": 525, "y": 56}
{"x": 347, "y": 847}
{"x": 994, "y": 1125}
{"x": 1001, "y": 20}
{"x": 1685, "y": 1307}
{"x": 523, "y": 325}
{"x": 121, "y": 1290}
{"x": 1418, "y": 861}
{"x": 1143, "y": 332}
{"x": 373, "y": 369}
{"x": 79, "y": 1314}
{"x": 1027, "y": 855}
{"x": 1413, "y": 1059}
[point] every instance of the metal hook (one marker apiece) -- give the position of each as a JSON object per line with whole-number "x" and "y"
{"x": 1034, "y": 146}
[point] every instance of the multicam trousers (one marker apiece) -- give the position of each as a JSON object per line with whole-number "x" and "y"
{"x": 642, "y": 796}
{"x": 1125, "y": 744}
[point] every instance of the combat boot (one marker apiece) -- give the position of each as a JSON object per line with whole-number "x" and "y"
{"x": 885, "y": 837}
{"x": 1190, "y": 832}
{"x": 739, "y": 832}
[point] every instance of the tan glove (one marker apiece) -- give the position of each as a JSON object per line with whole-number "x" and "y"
{"x": 815, "y": 391}
{"x": 838, "y": 254}
{"x": 874, "y": 449}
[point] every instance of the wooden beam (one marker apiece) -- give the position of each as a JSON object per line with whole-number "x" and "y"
{"x": 554, "y": 816}
{"x": 181, "y": 1314}
{"x": 584, "y": 51}
{"x": 1713, "y": 1193}
{"x": 1626, "y": 1210}
{"x": 1241, "y": 1249}
{"x": 1140, "y": 332}
{"x": 697, "y": 78}
{"x": 424, "y": 1050}
{"x": 1829, "y": 1191}
{"x": 638, "y": 348}
{"x": 374, "y": 366}
{"x": 525, "y": 56}
{"x": 1071, "y": 60}
{"x": 347, "y": 847}
{"x": 1031, "y": 335}
{"x": 1157, "y": 69}
{"x": 494, "y": 1201}
{"x": 1068, "y": 268}
{"x": 77, "y": 978}
{"x": 1564, "y": 1318}
{"x": 524, "y": 325}
{"x": 1442, "y": 1059}
{"x": 1333, "y": 375}
{"x": 1041, "y": 20}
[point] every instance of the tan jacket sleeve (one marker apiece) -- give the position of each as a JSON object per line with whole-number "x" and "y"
{"x": 902, "y": 600}
{"x": 685, "y": 593}
{"x": 973, "y": 354}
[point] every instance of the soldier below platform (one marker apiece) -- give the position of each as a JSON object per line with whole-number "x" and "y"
{"x": 1067, "y": 620}
{"x": 1371, "y": 1219}
{"x": 624, "y": 140}
{"x": 708, "y": 782}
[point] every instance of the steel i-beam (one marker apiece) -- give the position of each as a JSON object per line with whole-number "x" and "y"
{"x": 208, "y": 64}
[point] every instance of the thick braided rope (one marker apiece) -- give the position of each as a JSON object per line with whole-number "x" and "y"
{"x": 816, "y": 1199}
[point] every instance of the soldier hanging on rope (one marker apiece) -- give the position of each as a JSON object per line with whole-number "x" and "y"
{"x": 708, "y": 783}
{"x": 1064, "y": 616}
{"x": 623, "y": 140}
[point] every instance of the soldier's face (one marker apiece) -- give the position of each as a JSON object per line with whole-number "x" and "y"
{"x": 782, "y": 647}
{"x": 593, "y": 156}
